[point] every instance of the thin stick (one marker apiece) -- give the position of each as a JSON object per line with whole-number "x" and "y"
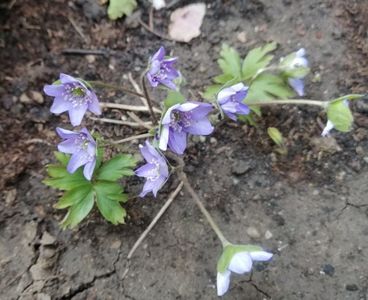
{"x": 137, "y": 88}
{"x": 127, "y": 107}
{"x": 138, "y": 120}
{"x": 155, "y": 220}
{"x": 145, "y": 26}
{"x": 115, "y": 87}
{"x": 78, "y": 29}
{"x": 148, "y": 98}
{"x": 291, "y": 101}
{"x": 85, "y": 51}
{"x": 127, "y": 123}
{"x": 132, "y": 138}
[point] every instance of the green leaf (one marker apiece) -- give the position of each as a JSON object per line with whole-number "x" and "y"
{"x": 118, "y": 8}
{"x": 117, "y": 167}
{"x": 340, "y": 115}
{"x": 78, "y": 212}
{"x": 109, "y": 195}
{"x": 173, "y": 97}
{"x": 223, "y": 78}
{"x": 257, "y": 59}
{"x": 62, "y": 157}
{"x": 275, "y": 135}
{"x": 228, "y": 253}
{"x": 211, "y": 91}
{"x": 229, "y": 62}
{"x": 99, "y": 157}
{"x": 73, "y": 196}
{"x": 266, "y": 87}
{"x": 61, "y": 179}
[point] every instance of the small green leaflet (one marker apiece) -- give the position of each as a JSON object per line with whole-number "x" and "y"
{"x": 229, "y": 62}
{"x": 266, "y": 87}
{"x": 173, "y": 97}
{"x": 81, "y": 194}
{"x": 256, "y": 60}
{"x": 119, "y": 8}
{"x": 275, "y": 135}
{"x": 340, "y": 115}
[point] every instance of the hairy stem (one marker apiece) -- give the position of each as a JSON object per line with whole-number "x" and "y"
{"x": 114, "y": 87}
{"x": 148, "y": 98}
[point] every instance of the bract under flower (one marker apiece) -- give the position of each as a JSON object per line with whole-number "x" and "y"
{"x": 83, "y": 149}
{"x": 162, "y": 70}
{"x": 181, "y": 119}
{"x": 74, "y": 96}
{"x": 155, "y": 170}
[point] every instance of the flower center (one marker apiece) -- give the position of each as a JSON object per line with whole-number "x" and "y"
{"x": 180, "y": 120}
{"x": 76, "y": 94}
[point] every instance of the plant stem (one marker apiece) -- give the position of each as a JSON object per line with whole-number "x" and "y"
{"x": 183, "y": 177}
{"x": 148, "y": 98}
{"x": 114, "y": 87}
{"x": 131, "y": 138}
{"x": 292, "y": 101}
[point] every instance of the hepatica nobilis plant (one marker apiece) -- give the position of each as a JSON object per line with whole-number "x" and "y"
{"x": 87, "y": 177}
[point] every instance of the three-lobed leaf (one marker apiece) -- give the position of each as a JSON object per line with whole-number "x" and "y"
{"x": 230, "y": 62}
{"x": 117, "y": 167}
{"x": 256, "y": 60}
{"x": 119, "y": 8}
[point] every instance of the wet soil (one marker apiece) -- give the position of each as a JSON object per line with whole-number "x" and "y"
{"x": 308, "y": 207}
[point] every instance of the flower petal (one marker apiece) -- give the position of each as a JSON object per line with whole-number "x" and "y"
{"x": 94, "y": 106}
{"x": 158, "y": 184}
{"x": 177, "y": 141}
{"x": 159, "y": 55}
{"x": 76, "y": 114}
{"x": 53, "y": 90}
{"x": 64, "y": 78}
{"x": 298, "y": 85}
{"x": 88, "y": 169}
{"x": 68, "y": 146}
{"x": 66, "y": 134}
{"x": 223, "y": 282}
{"x": 60, "y": 105}
{"x": 78, "y": 159}
{"x": 148, "y": 187}
{"x": 240, "y": 263}
{"x": 329, "y": 126}
{"x": 260, "y": 255}
{"x": 201, "y": 127}
{"x": 145, "y": 170}
{"x": 164, "y": 137}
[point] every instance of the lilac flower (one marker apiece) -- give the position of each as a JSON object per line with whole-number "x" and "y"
{"x": 162, "y": 70}
{"x": 181, "y": 119}
{"x": 82, "y": 147}
{"x": 298, "y": 61}
{"x": 231, "y": 100}
{"x": 74, "y": 96}
{"x": 237, "y": 259}
{"x": 155, "y": 170}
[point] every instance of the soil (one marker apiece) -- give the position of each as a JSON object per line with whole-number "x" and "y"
{"x": 308, "y": 207}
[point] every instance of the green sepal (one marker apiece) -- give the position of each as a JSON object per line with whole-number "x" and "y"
{"x": 79, "y": 211}
{"x": 340, "y": 115}
{"x": 228, "y": 253}
{"x": 257, "y": 59}
{"x": 117, "y": 167}
{"x": 57, "y": 82}
{"x": 266, "y": 87}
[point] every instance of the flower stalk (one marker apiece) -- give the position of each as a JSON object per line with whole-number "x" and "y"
{"x": 148, "y": 98}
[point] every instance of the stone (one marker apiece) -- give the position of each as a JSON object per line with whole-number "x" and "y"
{"x": 253, "y": 232}
{"x": 268, "y": 235}
{"x": 47, "y": 239}
{"x": 240, "y": 167}
{"x": 36, "y": 97}
{"x": 328, "y": 270}
{"x": 25, "y": 99}
{"x": 351, "y": 287}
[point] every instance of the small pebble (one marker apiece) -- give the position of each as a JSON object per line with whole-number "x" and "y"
{"x": 352, "y": 287}
{"x": 37, "y": 97}
{"x": 253, "y": 232}
{"x": 268, "y": 235}
{"x": 328, "y": 270}
{"x": 24, "y": 98}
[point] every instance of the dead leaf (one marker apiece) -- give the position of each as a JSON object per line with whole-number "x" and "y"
{"x": 186, "y": 22}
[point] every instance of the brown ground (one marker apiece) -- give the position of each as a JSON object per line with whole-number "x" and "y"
{"x": 310, "y": 207}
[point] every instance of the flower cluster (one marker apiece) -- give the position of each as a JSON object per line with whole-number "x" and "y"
{"x": 73, "y": 95}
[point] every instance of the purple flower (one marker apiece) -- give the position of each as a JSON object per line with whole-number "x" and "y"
{"x": 298, "y": 61}
{"x": 181, "y": 119}
{"x": 74, "y": 96}
{"x": 155, "y": 170}
{"x": 231, "y": 100}
{"x": 162, "y": 70}
{"x": 82, "y": 147}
